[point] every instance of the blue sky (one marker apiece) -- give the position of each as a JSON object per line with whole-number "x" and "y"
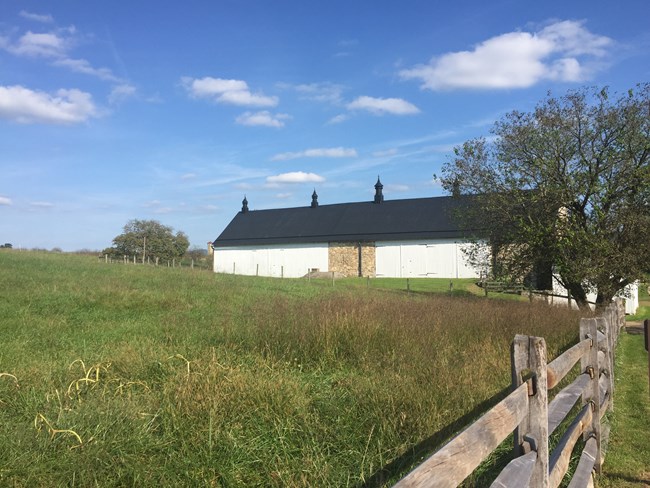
{"x": 111, "y": 111}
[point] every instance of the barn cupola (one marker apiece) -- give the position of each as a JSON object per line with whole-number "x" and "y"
{"x": 244, "y": 205}
{"x": 379, "y": 196}
{"x": 314, "y": 199}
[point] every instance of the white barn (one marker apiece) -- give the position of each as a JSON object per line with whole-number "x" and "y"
{"x": 398, "y": 238}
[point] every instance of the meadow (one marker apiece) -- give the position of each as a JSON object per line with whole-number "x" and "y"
{"x": 132, "y": 375}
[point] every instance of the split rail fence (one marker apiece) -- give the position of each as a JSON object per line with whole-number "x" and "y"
{"x": 528, "y": 414}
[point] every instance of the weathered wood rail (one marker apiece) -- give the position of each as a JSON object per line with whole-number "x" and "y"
{"x": 527, "y": 413}
{"x": 502, "y": 287}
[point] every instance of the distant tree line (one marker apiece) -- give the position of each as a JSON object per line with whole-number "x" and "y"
{"x": 148, "y": 240}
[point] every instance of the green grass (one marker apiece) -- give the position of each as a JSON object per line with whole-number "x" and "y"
{"x": 123, "y": 375}
{"x": 627, "y": 463}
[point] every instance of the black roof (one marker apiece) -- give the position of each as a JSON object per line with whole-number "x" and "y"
{"x": 417, "y": 218}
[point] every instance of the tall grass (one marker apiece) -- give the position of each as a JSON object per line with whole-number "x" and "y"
{"x": 122, "y": 375}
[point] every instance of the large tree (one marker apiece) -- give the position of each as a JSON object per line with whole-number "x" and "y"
{"x": 149, "y": 239}
{"x": 566, "y": 185}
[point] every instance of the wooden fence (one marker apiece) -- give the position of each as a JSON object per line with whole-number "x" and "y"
{"x": 528, "y": 414}
{"x": 183, "y": 262}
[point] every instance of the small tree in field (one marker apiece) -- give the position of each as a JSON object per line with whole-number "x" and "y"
{"x": 566, "y": 185}
{"x": 149, "y": 239}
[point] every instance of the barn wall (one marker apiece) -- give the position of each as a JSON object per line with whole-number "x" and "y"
{"x": 440, "y": 258}
{"x": 630, "y": 293}
{"x": 290, "y": 261}
{"x": 344, "y": 258}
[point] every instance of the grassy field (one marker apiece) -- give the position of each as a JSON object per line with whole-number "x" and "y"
{"x": 627, "y": 464}
{"x": 123, "y": 375}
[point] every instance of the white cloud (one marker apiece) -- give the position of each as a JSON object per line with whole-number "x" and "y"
{"x": 283, "y": 195}
{"x": 32, "y": 44}
{"x": 516, "y": 60}
{"x": 263, "y": 118}
{"x": 6, "y": 201}
{"x": 43, "y": 18}
{"x": 380, "y": 106}
{"x": 323, "y": 152}
{"x": 295, "y": 177}
{"x": 234, "y": 92}
{"x": 188, "y": 176}
{"x": 27, "y": 106}
{"x": 338, "y": 119}
{"x": 120, "y": 93}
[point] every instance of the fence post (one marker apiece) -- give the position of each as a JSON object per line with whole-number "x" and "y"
{"x": 608, "y": 349}
{"x": 646, "y": 335}
{"x": 589, "y": 364}
{"x": 529, "y": 355}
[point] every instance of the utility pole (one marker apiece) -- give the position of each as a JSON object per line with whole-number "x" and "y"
{"x": 144, "y": 249}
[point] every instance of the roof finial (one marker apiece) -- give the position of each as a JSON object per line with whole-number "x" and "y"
{"x": 314, "y": 199}
{"x": 244, "y": 205}
{"x": 379, "y": 196}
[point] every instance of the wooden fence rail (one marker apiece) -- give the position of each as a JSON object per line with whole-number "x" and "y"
{"x": 528, "y": 414}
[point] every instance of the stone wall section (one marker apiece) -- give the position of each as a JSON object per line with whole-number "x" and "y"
{"x": 344, "y": 258}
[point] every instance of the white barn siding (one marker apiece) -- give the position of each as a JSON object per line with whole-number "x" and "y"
{"x": 290, "y": 261}
{"x": 440, "y": 258}
{"x": 630, "y": 293}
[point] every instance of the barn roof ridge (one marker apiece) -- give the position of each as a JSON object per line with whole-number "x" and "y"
{"x": 411, "y": 218}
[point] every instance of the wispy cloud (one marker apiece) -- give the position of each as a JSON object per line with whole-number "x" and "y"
{"x": 385, "y": 153}
{"x": 43, "y": 205}
{"x": 324, "y": 92}
{"x": 27, "y": 106}
{"x": 263, "y": 118}
{"x": 84, "y": 67}
{"x": 5, "y": 201}
{"x": 560, "y": 51}
{"x": 120, "y": 93}
{"x": 233, "y": 92}
{"x": 55, "y": 46}
{"x": 295, "y": 177}
{"x": 338, "y": 119}
{"x": 380, "y": 106}
{"x": 43, "y": 18}
{"x": 322, "y": 152}
{"x": 34, "y": 44}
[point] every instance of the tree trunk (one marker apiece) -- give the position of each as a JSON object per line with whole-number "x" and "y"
{"x": 579, "y": 294}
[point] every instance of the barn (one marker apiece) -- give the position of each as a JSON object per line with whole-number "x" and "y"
{"x": 415, "y": 237}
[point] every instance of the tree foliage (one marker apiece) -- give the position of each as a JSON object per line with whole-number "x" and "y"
{"x": 149, "y": 239}
{"x": 567, "y": 185}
